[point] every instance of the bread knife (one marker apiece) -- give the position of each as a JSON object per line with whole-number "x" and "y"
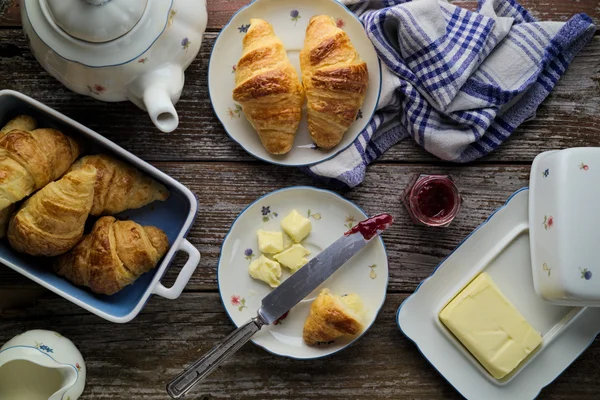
{"x": 282, "y": 299}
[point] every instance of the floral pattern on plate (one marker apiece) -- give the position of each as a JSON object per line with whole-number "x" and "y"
{"x": 316, "y": 216}
{"x": 546, "y": 268}
{"x": 267, "y": 214}
{"x": 373, "y": 274}
{"x": 234, "y": 112}
{"x": 249, "y": 254}
{"x": 584, "y": 166}
{"x": 238, "y": 301}
{"x": 295, "y": 16}
{"x": 243, "y": 28}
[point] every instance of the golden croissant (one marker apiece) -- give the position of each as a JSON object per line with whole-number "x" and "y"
{"x": 21, "y": 122}
{"x": 113, "y": 255}
{"x": 335, "y": 80}
{"x": 331, "y": 317}
{"x": 268, "y": 88}
{"x": 51, "y": 221}
{"x": 29, "y": 160}
{"x": 119, "y": 186}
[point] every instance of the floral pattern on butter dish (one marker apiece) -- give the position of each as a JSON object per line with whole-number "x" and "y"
{"x": 267, "y": 214}
{"x": 316, "y": 216}
{"x": 96, "y": 89}
{"x": 234, "y": 112}
{"x": 373, "y": 274}
{"x": 239, "y": 302}
{"x": 295, "y": 16}
{"x": 586, "y": 274}
{"x": 548, "y": 222}
{"x": 349, "y": 221}
{"x": 143, "y": 60}
{"x": 78, "y": 366}
{"x": 249, "y": 254}
{"x": 546, "y": 268}
{"x": 340, "y": 23}
{"x": 584, "y": 167}
{"x": 359, "y": 115}
{"x": 243, "y": 28}
{"x": 546, "y": 172}
{"x": 233, "y": 69}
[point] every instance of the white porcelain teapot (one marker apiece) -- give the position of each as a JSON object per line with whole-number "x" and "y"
{"x": 41, "y": 365}
{"x": 115, "y": 50}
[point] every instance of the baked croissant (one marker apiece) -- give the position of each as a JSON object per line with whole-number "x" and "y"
{"x": 113, "y": 255}
{"x": 29, "y": 160}
{"x": 119, "y": 186}
{"x": 21, "y": 122}
{"x": 52, "y": 220}
{"x": 335, "y": 80}
{"x": 331, "y": 317}
{"x": 268, "y": 88}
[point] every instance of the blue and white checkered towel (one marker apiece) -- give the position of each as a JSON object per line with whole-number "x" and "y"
{"x": 458, "y": 82}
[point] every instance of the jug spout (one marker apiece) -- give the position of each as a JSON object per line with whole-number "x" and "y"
{"x": 157, "y": 92}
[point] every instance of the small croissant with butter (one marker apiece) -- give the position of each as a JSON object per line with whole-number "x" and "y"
{"x": 333, "y": 316}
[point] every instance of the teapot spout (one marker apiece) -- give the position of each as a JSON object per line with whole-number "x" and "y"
{"x": 157, "y": 92}
{"x": 160, "y": 108}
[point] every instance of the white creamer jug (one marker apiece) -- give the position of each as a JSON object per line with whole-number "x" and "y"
{"x": 41, "y": 365}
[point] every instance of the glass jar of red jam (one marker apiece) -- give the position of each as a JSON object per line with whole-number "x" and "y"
{"x": 432, "y": 200}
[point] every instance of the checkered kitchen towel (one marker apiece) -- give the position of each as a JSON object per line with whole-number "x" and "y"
{"x": 458, "y": 82}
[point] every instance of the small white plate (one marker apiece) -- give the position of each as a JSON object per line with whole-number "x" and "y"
{"x": 289, "y": 19}
{"x": 500, "y": 247}
{"x": 366, "y": 274}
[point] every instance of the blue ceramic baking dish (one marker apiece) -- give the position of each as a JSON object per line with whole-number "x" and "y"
{"x": 174, "y": 216}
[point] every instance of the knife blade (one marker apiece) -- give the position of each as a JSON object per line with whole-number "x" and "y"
{"x": 283, "y": 298}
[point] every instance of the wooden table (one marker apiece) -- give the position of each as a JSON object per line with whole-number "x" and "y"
{"x": 135, "y": 360}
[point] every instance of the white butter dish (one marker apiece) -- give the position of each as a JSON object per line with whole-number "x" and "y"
{"x": 564, "y": 219}
{"x": 500, "y": 247}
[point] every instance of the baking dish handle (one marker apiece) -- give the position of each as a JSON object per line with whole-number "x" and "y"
{"x": 184, "y": 275}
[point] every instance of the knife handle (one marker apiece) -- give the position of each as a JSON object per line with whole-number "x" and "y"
{"x": 199, "y": 370}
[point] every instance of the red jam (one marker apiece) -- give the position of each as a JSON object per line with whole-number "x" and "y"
{"x": 370, "y": 227}
{"x": 432, "y": 200}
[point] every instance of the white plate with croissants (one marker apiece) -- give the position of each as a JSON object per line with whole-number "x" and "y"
{"x": 274, "y": 237}
{"x": 294, "y": 83}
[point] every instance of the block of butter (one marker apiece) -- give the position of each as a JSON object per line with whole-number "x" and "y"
{"x": 490, "y": 327}
{"x": 296, "y": 225}
{"x": 270, "y": 242}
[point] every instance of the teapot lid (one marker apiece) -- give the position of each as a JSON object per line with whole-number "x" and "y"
{"x": 110, "y": 33}
{"x": 96, "y": 21}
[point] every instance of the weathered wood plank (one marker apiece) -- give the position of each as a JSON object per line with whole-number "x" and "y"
{"x": 568, "y": 118}
{"x": 224, "y": 190}
{"x": 220, "y": 11}
{"x": 135, "y": 360}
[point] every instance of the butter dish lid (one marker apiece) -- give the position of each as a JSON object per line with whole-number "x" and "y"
{"x": 564, "y": 223}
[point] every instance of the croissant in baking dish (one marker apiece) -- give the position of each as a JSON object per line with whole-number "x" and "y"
{"x": 52, "y": 220}
{"x": 335, "y": 79}
{"x": 119, "y": 186}
{"x": 113, "y": 255}
{"x": 268, "y": 88}
{"x": 21, "y": 122}
{"x": 333, "y": 316}
{"x": 30, "y": 159}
